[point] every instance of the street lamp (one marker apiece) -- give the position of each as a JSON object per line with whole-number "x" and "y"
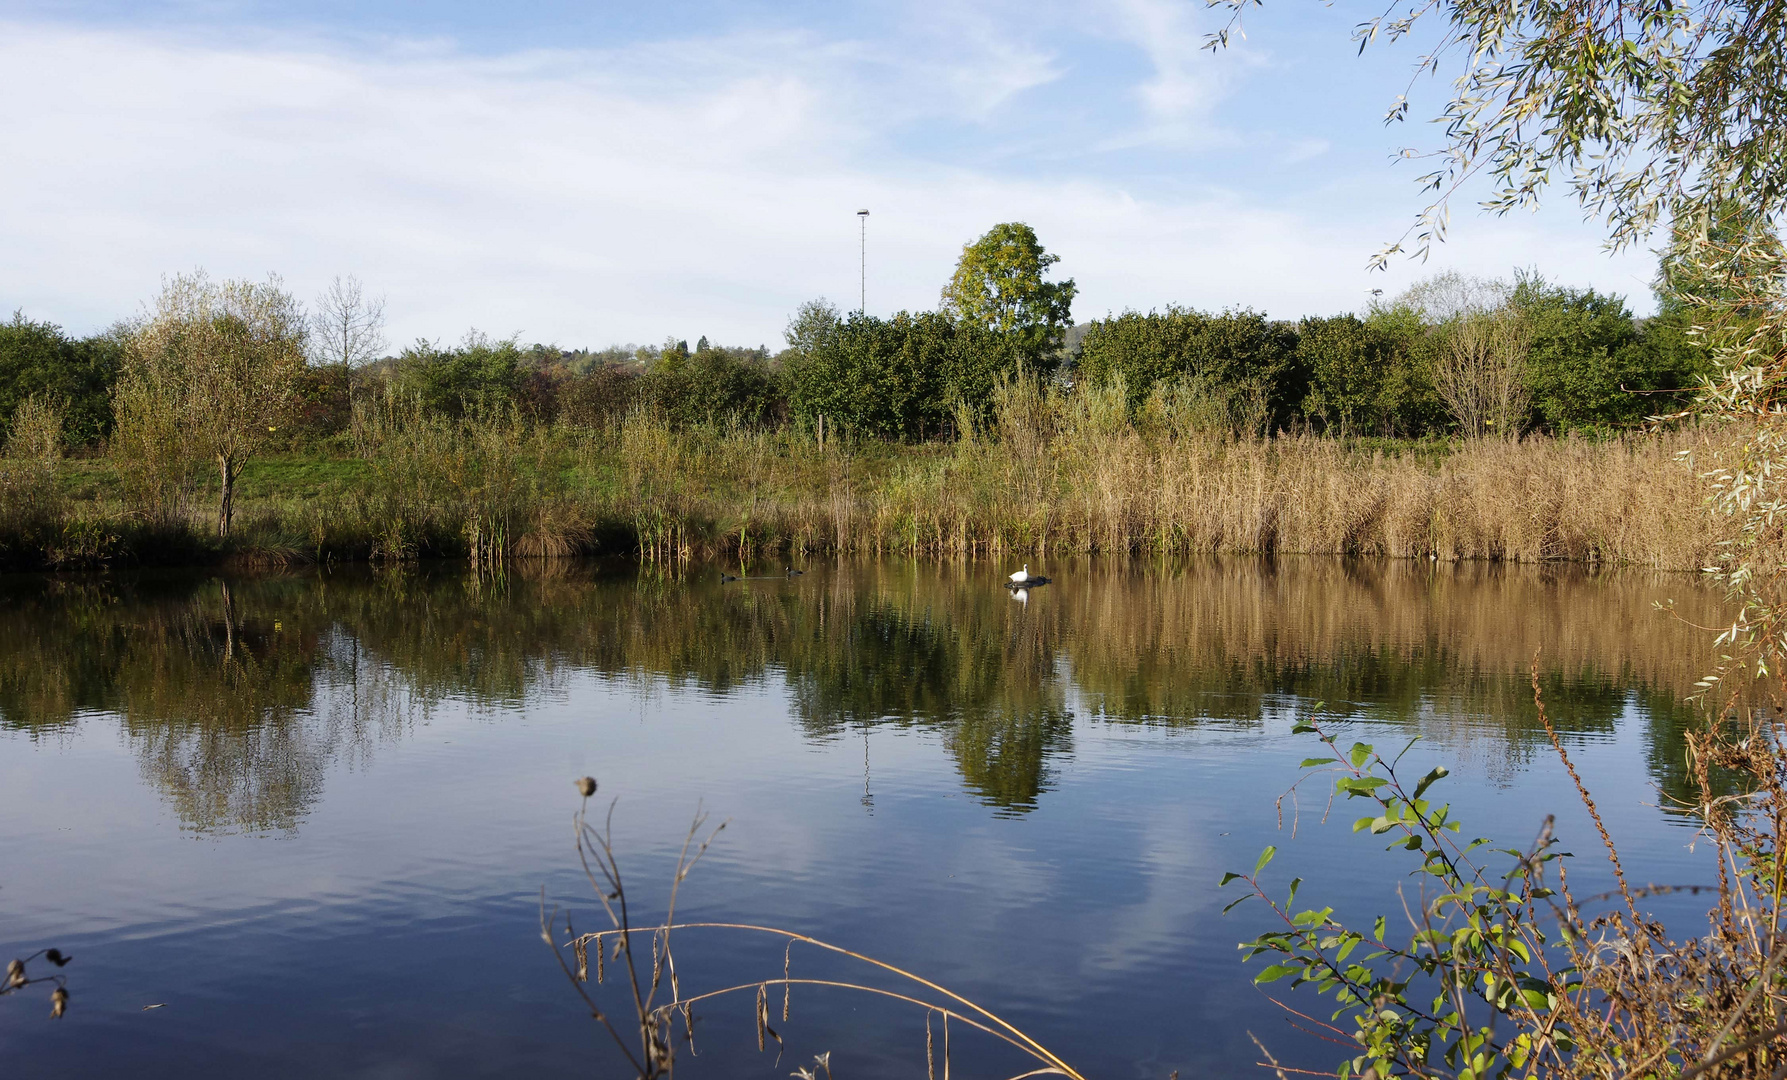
{"x": 862, "y": 302}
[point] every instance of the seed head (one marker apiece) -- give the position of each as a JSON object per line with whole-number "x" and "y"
{"x": 56, "y": 957}
{"x": 586, "y": 786}
{"x": 15, "y": 974}
{"x": 58, "y": 1002}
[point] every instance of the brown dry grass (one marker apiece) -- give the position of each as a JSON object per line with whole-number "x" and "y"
{"x": 1057, "y": 473}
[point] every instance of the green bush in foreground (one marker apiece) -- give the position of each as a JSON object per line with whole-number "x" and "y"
{"x": 1505, "y": 972}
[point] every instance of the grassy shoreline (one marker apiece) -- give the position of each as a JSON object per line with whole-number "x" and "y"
{"x": 1075, "y": 483}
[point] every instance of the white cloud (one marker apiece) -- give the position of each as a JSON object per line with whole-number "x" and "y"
{"x": 691, "y": 187}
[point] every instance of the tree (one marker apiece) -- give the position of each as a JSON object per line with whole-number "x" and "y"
{"x": 897, "y": 378}
{"x": 1448, "y": 295}
{"x": 1647, "y": 109}
{"x": 38, "y": 360}
{"x": 1587, "y": 367}
{"x": 999, "y": 284}
{"x": 1241, "y": 356}
{"x": 1480, "y": 372}
{"x": 211, "y": 374}
{"x": 813, "y": 321}
{"x": 1347, "y": 367}
{"x": 479, "y": 373}
{"x": 712, "y": 385}
{"x": 348, "y": 327}
{"x": 1409, "y": 403}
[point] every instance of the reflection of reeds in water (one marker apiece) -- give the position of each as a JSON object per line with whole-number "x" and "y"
{"x": 237, "y": 702}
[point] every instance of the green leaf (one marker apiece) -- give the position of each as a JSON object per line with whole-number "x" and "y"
{"x": 1312, "y": 762}
{"x": 1274, "y": 973}
{"x": 1377, "y": 929}
{"x": 1360, "y": 754}
{"x": 1228, "y": 877}
{"x": 1233, "y": 904}
{"x": 1439, "y": 772}
{"x": 1265, "y": 857}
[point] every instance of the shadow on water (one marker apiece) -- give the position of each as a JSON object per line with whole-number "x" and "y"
{"x": 237, "y": 695}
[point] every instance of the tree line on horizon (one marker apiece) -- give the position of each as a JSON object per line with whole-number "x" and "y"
{"x": 1453, "y": 355}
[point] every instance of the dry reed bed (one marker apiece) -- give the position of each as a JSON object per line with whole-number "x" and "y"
{"x": 1058, "y": 477}
{"x": 1633, "y": 501}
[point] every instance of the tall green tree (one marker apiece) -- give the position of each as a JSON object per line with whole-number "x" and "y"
{"x": 1347, "y": 366}
{"x": 999, "y": 284}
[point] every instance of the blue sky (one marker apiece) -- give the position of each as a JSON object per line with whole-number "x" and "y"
{"x": 591, "y": 173}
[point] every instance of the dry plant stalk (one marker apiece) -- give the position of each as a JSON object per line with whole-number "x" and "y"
{"x": 655, "y": 995}
{"x": 18, "y": 976}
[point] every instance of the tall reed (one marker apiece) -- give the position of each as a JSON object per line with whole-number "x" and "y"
{"x": 1052, "y": 472}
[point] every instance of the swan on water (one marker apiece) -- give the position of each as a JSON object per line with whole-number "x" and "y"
{"x": 1022, "y": 575}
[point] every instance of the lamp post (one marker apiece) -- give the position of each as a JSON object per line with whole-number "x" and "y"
{"x": 862, "y": 301}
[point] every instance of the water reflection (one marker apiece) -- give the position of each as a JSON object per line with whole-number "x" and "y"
{"x": 237, "y": 695}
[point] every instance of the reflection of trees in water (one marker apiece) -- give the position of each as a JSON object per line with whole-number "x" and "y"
{"x": 216, "y": 686}
{"x": 238, "y": 699}
{"x": 985, "y": 680}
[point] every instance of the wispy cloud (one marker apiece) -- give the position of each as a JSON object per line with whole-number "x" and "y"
{"x": 688, "y": 186}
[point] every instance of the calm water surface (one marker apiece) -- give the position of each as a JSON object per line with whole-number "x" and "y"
{"x": 313, "y": 813}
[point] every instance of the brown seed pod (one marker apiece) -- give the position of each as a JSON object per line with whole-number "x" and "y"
{"x": 586, "y": 786}
{"x": 58, "y": 1002}
{"x": 15, "y": 974}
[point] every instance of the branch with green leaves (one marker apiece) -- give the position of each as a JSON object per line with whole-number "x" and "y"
{"x": 1476, "y": 959}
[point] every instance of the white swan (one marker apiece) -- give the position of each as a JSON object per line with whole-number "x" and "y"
{"x": 1022, "y": 575}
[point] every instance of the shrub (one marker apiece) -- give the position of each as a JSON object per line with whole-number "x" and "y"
{"x": 1508, "y": 972}
{"x": 712, "y": 385}
{"x": 36, "y": 358}
{"x": 1588, "y": 356}
{"x": 478, "y": 373}
{"x": 598, "y": 398}
{"x": 900, "y": 378}
{"x": 1241, "y": 353}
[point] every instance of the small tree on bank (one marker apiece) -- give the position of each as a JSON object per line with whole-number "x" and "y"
{"x": 209, "y": 375}
{"x": 1480, "y": 372}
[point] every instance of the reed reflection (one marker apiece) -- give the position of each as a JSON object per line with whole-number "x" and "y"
{"x": 238, "y": 695}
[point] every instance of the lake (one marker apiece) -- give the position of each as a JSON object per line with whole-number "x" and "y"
{"x": 300, "y": 824}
